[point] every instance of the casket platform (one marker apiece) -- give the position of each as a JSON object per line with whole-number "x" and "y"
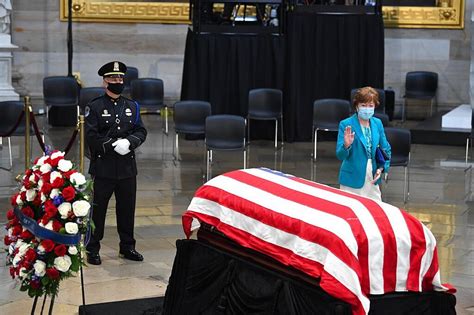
{"x": 272, "y": 243}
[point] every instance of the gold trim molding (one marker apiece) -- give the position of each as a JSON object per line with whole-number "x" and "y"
{"x": 136, "y": 12}
{"x": 448, "y": 15}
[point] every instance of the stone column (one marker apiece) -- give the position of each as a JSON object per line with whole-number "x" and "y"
{"x": 7, "y": 93}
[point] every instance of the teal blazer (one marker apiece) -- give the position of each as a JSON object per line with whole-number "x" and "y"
{"x": 354, "y": 159}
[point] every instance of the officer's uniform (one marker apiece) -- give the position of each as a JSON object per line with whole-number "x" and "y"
{"x": 108, "y": 120}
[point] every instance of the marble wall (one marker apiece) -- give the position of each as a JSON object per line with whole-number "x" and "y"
{"x": 157, "y": 51}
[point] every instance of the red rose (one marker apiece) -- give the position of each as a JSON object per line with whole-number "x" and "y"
{"x": 58, "y": 182}
{"x": 46, "y": 177}
{"x": 10, "y": 214}
{"x": 37, "y": 201}
{"x": 35, "y": 284}
{"x": 17, "y": 230}
{"x": 23, "y": 195}
{"x": 28, "y": 172}
{"x": 27, "y": 183}
{"x": 28, "y": 212}
{"x": 69, "y": 173}
{"x": 36, "y": 160}
{"x": 60, "y": 250}
{"x": 7, "y": 240}
{"x": 50, "y": 208}
{"x": 12, "y": 272}
{"x": 46, "y": 188}
{"x": 69, "y": 193}
{"x": 30, "y": 255}
{"x": 15, "y": 221}
{"x": 26, "y": 235}
{"x": 57, "y": 225}
{"x": 13, "y": 199}
{"x": 48, "y": 245}
{"x": 52, "y": 273}
{"x": 46, "y": 218}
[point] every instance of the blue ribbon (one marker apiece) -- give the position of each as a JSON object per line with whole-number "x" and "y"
{"x": 43, "y": 233}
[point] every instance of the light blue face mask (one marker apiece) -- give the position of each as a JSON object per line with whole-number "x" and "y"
{"x": 365, "y": 113}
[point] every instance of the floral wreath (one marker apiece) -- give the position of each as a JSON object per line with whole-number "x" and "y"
{"x": 49, "y": 218}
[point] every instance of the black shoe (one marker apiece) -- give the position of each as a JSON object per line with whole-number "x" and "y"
{"x": 93, "y": 258}
{"x": 131, "y": 254}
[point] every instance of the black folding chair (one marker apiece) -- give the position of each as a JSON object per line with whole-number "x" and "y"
{"x": 88, "y": 94}
{"x": 225, "y": 133}
{"x": 266, "y": 104}
{"x": 62, "y": 93}
{"x": 327, "y": 113}
{"x": 189, "y": 118}
{"x": 130, "y": 75}
{"x": 400, "y": 141}
{"x": 420, "y": 85}
{"x": 148, "y": 92}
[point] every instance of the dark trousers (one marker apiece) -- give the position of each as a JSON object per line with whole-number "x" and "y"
{"x": 125, "y": 195}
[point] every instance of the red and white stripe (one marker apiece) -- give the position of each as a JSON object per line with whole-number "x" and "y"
{"x": 356, "y": 246}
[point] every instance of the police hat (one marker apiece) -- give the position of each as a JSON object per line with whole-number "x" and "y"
{"x": 112, "y": 68}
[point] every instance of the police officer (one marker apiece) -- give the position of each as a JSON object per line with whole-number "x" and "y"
{"x": 114, "y": 130}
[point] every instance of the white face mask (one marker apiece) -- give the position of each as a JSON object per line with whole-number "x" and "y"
{"x": 365, "y": 113}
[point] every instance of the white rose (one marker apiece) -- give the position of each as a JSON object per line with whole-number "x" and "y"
{"x": 23, "y": 188}
{"x": 48, "y": 225}
{"x": 16, "y": 260}
{"x": 40, "y": 268}
{"x": 19, "y": 201}
{"x": 64, "y": 165}
{"x": 72, "y": 250}
{"x": 62, "y": 263}
{"x": 81, "y": 208}
{"x": 77, "y": 179}
{"x": 40, "y": 184}
{"x": 64, "y": 209}
{"x": 23, "y": 273}
{"x": 41, "y": 249}
{"x": 71, "y": 228}
{"x": 41, "y": 160}
{"x": 45, "y": 168}
{"x": 43, "y": 198}
{"x": 30, "y": 194}
{"x": 23, "y": 248}
{"x": 54, "y": 175}
{"x": 56, "y": 155}
{"x": 32, "y": 178}
{"x": 54, "y": 193}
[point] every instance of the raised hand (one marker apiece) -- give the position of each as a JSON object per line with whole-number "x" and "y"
{"x": 348, "y": 137}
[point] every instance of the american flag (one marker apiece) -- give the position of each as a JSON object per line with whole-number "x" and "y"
{"x": 355, "y": 245}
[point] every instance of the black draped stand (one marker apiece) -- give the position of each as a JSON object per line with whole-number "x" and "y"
{"x": 207, "y": 279}
{"x": 320, "y": 56}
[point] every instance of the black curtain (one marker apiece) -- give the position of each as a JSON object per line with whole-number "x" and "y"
{"x": 320, "y": 56}
{"x": 222, "y": 68}
{"x": 327, "y": 56}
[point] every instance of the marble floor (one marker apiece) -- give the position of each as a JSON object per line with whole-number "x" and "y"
{"x": 440, "y": 196}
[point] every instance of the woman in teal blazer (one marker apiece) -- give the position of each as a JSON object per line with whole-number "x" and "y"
{"x": 357, "y": 140}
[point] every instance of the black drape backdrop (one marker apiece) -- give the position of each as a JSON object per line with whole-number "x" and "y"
{"x": 222, "y": 68}
{"x": 320, "y": 56}
{"x": 328, "y": 55}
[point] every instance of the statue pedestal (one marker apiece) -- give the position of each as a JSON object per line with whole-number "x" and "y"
{"x": 7, "y": 92}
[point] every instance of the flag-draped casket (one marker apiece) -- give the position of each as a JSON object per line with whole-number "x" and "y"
{"x": 356, "y": 246}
